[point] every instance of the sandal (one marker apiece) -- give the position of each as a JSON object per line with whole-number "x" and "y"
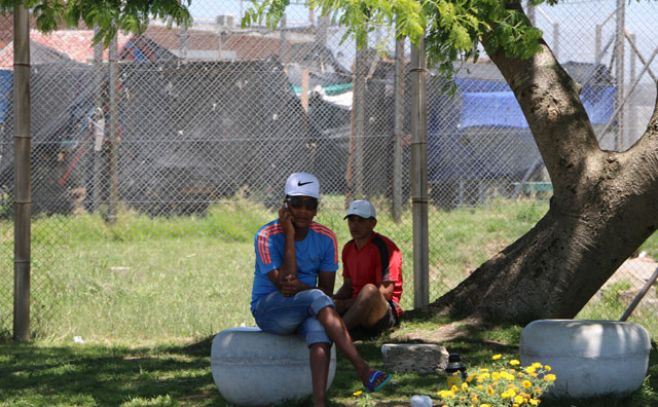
{"x": 377, "y": 380}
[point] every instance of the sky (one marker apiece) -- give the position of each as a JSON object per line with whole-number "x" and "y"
{"x": 575, "y": 39}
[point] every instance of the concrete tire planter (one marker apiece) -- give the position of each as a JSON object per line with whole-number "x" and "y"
{"x": 590, "y": 358}
{"x": 254, "y": 368}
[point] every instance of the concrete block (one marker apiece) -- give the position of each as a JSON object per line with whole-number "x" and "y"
{"x": 254, "y": 368}
{"x": 590, "y": 358}
{"x": 414, "y": 357}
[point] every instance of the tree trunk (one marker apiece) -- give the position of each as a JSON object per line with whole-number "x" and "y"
{"x": 605, "y": 204}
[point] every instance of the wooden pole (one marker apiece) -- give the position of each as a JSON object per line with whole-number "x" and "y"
{"x": 358, "y": 107}
{"x": 619, "y": 73}
{"x": 99, "y": 125}
{"x": 114, "y": 133}
{"x": 398, "y": 129}
{"x": 556, "y": 40}
{"x": 419, "y": 174}
{"x": 597, "y": 44}
{"x": 631, "y": 307}
{"x": 305, "y": 85}
{"x": 23, "y": 180}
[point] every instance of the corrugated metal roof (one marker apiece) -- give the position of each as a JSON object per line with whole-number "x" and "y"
{"x": 75, "y": 44}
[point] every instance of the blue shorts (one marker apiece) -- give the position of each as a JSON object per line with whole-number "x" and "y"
{"x": 282, "y": 315}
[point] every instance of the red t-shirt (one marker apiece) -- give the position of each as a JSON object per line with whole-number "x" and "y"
{"x": 364, "y": 266}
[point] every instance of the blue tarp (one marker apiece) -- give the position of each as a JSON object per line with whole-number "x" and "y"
{"x": 492, "y": 104}
{"x": 491, "y": 109}
{"x": 480, "y": 131}
{"x": 6, "y": 85}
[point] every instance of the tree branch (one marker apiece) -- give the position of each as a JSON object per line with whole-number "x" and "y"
{"x": 550, "y": 101}
{"x": 642, "y": 157}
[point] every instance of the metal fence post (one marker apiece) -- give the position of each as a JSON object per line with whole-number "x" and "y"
{"x": 23, "y": 196}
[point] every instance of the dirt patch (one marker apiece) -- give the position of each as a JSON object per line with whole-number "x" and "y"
{"x": 438, "y": 334}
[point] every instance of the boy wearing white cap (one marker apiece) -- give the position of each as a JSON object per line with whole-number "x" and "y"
{"x": 369, "y": 298}
{"x": 296, "y": 263}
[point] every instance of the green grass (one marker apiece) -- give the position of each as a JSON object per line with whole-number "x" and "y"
{"x": 160, "y": 278}
{"x": 147, "y": 294}
{"x": 178, "y": 374}
{"x": 146, "y": 278}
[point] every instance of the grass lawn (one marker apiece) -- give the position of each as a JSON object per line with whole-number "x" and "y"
{"x": 43, "y": 374}
{"x": 147, "y": 294}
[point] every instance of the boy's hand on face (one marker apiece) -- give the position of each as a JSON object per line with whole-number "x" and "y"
{"x": 285, "y": 220}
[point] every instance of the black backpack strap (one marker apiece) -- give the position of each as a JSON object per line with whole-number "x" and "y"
{"x": 383, "y": 255}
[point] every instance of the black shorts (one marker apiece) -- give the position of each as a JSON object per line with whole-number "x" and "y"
{"x": 388, "y": 321}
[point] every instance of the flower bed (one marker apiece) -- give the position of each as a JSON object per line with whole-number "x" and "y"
{"x": 505, "y": 383}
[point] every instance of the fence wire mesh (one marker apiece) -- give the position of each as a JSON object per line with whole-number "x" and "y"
{"x": 154, "y": 162}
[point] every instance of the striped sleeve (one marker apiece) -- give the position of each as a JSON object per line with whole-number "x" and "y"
{"x": 330, "y": 260}
{"x": 268, "y": 255}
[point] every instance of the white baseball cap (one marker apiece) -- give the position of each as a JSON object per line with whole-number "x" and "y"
{"x": 303, "y": 184}
{"x": 361, "y": 208}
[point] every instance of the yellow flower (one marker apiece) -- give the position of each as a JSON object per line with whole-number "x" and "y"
{"x": 497, "y": 356}
{"x": 495, "y": 376}
{"x": 483, "y": 377}
{"x": 490, "y": 390}
{"x": 483, "y": 370}
{"x": 547, "y": 368}
{"x": 485, "y": 405}
{"x": 508, "y": 394}
{"x": 464, "y": 386}
{"x": 446, "y": 394}
{"x": 550, "y": 377}
{"x": 518, "y": 399}
{"x": 507, "y": 376}
{"x": 514, "y": 362}
{"x": 537, "y": 365}
{"x": 512, "y": 386}
{"x": 534, "y": 402}
{"x": 526, "y": 384}
{"x": 454, "y": 389}
{"x": 531, "y": 370}
{"x": 357, "y": 393}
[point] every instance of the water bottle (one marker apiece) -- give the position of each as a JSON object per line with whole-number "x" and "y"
{"x": 421, "y": 401}
{"x": 456, "y": 370}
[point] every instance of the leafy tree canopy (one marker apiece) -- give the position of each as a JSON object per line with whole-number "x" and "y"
{"x": 108, "y": 15}
{"x": 453, "y": 28}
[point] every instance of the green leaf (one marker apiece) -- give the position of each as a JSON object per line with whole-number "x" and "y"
{"x": 460, "y": 37}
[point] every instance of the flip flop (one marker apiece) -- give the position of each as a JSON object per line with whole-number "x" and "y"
{"x": 375, "y": 381}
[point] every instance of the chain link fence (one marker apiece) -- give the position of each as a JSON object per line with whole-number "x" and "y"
{"x": 147, "y": 155}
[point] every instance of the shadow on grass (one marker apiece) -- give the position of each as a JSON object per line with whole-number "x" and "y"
{"x": 180, "y": 375}
{"x": 108, "y": 376}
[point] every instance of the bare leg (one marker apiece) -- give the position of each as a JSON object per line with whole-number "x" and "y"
{"x": 368, "y": 308}
{"x": 337, "y": 331}
{"x": 320, "y": 359}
